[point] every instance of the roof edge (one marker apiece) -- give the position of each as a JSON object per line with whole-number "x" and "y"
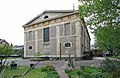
{"x": 51, "y": 19}
{"x": 47, "y": 11}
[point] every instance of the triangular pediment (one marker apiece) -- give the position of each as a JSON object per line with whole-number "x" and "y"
{"x": 48, "y": 14}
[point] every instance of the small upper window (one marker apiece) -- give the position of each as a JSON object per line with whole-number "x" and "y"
{"x": 68, "y": 45}
{"x": 45, "y": 17}
{"x": 30, "y": 47}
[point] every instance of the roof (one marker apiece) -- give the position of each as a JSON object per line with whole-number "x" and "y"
{"x": 49, "y": 11}
{"x": 3, "y": 41}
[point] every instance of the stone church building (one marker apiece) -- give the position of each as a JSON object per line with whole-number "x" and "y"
{"x": 56, "y": 33}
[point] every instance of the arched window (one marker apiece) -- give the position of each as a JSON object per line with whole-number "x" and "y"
{"x": 45, "y": 17}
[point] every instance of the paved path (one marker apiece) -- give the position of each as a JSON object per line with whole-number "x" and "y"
{"x": 61, "y": 72}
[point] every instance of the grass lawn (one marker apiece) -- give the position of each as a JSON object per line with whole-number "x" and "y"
{"x": 34, "y": 73}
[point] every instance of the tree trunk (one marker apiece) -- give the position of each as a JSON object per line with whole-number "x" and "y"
{"x": 1, "y": 60}
{"x": 4, "y": 62}
{"x": 111, "y": 51}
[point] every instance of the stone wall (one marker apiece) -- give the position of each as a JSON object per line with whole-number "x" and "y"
{"x": 67, "y": 31}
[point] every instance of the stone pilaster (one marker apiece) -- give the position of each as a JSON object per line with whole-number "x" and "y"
{"x": 58, "y": 40}
{"x": 78, "y": 51}
{"x": 36, "y": 41}
{"x": 25, "y": 44}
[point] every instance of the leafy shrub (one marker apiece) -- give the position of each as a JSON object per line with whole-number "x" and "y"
{"x": 85, "y": 75}
{"x": 114, "y": 74}
{"x": 47, "y": 68}
{"x": 116, "y": 56}
{"x": 67, "y": 71}
{"x": 50, "y": 67}
{"x": 85, "y": 72}
{"x": 73, "y": 73}
{"x": 112, "y": 67}
{"x": 43, "y": 69}
{"x": 98, "y": 75}
{"x": 88, "y": 70}
{"x": 52, "y": 74}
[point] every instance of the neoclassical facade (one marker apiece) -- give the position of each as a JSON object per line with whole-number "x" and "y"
{"x": 56, "y": 33}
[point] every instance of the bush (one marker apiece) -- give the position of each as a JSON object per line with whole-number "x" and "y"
{"x": 116, "y": 56}
{"x": 47, "y": 68}
{"x": 67, "y": 71}
{"x": 85, "y": 75}
{"x": 86, "y": 72}
{"x": 43, "y": 69}
{"x": 50, "y": 70}
{"x": 50, "y": 67}
{"x": 51, "y": 75}
{"x": 98, "y": 75}
{"x": 53, "y": 72}
{"x": 73, "y": 73}
{"x": 112, "y": 67}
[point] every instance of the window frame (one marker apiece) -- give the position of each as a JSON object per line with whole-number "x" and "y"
{"x": 65, "y": 28}
{"x": 46, "y": 16}
{"x": 30, "y": 47}
{"x": 69, "y": 46}
{"x": 46, "y": 32}
{"x": 30, "y": 35}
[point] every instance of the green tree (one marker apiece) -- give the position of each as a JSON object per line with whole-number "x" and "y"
{"x": 108, "y": 39}
{"x": 104, "y": 18}
{"x": 19, "y": 52}
{"x": 5, "y": 52}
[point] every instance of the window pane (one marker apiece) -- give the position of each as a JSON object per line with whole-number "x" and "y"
{"x": 67, "y": 44}
{"x": 46, "y": 34}
{"x": 45, "y": 17}
{"x": 30, "y": 47}
{"x": 67, "y": 29}
{"x": 30, "y": 35}
{"x": 73, "y": 28}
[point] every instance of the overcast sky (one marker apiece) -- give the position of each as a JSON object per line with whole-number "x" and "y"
{"x": 15, "y": 13}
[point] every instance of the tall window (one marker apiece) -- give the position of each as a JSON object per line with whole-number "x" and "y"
{"x": 82, "y": 31}
{"x": 67, "y": 29}
{"x": 30, "y": 35}
{"x": 46, "y": 34}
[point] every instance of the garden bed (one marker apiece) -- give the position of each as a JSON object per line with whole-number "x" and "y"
{"x": 108, "y": 69}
